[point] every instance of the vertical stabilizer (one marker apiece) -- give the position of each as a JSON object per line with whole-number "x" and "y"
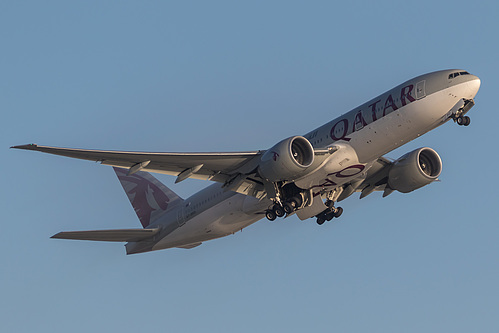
{"x": 149, "y": 197}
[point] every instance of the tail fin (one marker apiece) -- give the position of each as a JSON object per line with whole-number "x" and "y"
{"x": 149, "y": 197}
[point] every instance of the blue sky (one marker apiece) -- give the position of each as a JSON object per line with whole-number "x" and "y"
{"x": 230, "y": 76}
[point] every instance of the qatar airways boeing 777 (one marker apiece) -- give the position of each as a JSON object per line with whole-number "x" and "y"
{"x": 303, "y": 175}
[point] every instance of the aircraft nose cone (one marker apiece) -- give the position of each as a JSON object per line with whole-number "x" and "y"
{"x": 474, "y": 86}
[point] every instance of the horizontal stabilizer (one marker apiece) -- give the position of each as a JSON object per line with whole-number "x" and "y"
{"x": 116, "y": 235}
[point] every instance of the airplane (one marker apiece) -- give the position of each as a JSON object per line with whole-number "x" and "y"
{"x": 303, "y": 175}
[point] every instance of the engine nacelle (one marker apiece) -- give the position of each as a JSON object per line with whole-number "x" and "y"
{"x": 287, "y": 160}
{"x": 415, "y": 170}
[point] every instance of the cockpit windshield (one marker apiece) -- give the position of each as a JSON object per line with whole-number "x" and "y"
{"x": 453, "y": 75}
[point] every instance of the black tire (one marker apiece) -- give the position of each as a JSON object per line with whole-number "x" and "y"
{"x": 288, "y": 207}
{"x": 338, "y": 212}
{"x": 467, "y": 121}
{"x": 330, "y": 216}
{"x": 460, "y": 121}
{"x": 320, "y": 221}
{"x": 270, "y": 215}
{"x": 296, "y": 201}
{"x": 279, "y": 211}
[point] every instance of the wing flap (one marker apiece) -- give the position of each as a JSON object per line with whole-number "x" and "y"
{"x": 116, "y": 235}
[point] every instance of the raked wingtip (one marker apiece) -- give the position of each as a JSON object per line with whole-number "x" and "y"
{"x": 30, "y": 146}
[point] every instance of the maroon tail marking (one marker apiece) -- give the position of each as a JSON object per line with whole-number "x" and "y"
{"x": 139, "y": 202}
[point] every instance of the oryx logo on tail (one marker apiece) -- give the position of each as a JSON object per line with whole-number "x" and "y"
{"x": 147, "y": 198}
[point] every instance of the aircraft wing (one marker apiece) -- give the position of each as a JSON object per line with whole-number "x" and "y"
{"x": 213, "y": 166}
{"x": 236, "y": 170}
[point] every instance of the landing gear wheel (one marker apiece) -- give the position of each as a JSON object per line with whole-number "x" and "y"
{"x": 338, "y": 212}
{"x": 270, "y": 215}
{"x": 279, "y": 211}
{"x": 463, "y": 121}
{"x": 320, "y": 221}
{"x": 467, "y": 121}
{"x": 329, "y": 216}
{"x": 296, "y": 201}
{"x": 288, "y": 207}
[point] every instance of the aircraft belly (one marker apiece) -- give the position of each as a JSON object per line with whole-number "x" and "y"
{"x": 221, "y": 220}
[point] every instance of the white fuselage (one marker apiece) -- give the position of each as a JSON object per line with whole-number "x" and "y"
{"x": 371, "y": 130}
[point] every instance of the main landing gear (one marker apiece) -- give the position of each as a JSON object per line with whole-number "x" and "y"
{"x": 274, "y": 212}
{"x": 279, "y": 210}
{"x": 329, "y": 213}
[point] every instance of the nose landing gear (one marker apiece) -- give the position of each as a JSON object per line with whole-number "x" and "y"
{"x": 463, "y": 121}
{"x": 459, "y": 117}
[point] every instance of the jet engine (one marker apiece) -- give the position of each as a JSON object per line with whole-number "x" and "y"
{"x": 414, "y": 170}
{"x": 287, "y": 160}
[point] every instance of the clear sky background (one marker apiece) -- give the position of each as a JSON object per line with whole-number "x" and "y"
{"x": 230, "y": 76}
